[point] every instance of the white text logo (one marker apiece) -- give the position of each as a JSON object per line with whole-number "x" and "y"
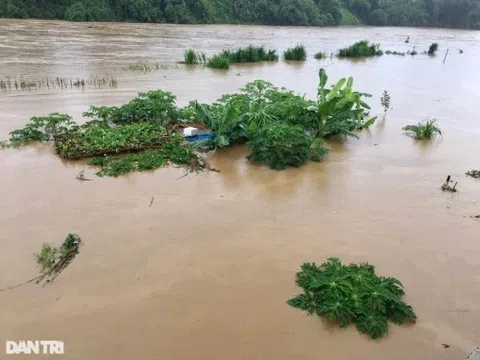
{"x": 37, "y": 347}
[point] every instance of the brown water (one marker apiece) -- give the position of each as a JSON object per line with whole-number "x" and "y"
{"x": 204, "y": 272}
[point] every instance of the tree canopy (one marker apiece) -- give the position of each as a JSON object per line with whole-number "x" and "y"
{"x": 440, "y": 13}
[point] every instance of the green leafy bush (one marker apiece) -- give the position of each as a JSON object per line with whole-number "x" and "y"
{"x": 433, "y": 49}
{"x": 361, "y": 49}
{"x": 46, "y": 258}
{"x": 98, "y": 140}
{"x": 219, "y": 62}
{"x": 423, "y": 130}
{"x": 345, "y": 294}
{"x": 250, "y": 54}
{"x": 297, "y": 53}
{"x": 154, "y": 106}
{"x": 280, "y": 145}
{"x": 43, "y": 128}
{"x": 320, "y": 55}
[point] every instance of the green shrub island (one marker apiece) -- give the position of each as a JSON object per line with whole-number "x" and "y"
{"x": 425, "y": 130}
{"x": 281, "y": 128}
{"x": 297, "y": 53}
{"x": 361, "y": 49}
{"x": 219, "y": 62}
{"x": 346, "y": 294}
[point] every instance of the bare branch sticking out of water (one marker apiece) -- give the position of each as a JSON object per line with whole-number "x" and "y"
{"x": 81, "y": 176}
{"x": 151, "y": 202}
{"x": 446, "y": 185}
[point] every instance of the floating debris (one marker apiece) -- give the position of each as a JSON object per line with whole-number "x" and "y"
{"x": 473, "y": 173}
{"x": 446, "y": 186}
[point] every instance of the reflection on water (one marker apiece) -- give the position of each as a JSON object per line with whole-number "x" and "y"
{"x": 204, "y": 272}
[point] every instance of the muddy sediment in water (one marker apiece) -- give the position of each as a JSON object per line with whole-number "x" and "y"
{"x": 204, "y": 272}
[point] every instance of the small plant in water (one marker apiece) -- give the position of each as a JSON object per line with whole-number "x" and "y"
{"x": 385, "y": 100}
{"x": 219, "y": 62}
{"x": 346, "y": 294}
{"x": 298, "y": 53}
{"x": 424, "y": 130}
{"x": 46, "y": 257}
{"x": 320, "y": 55}
{"x": 433, "y": 49}
{"x": 474, "y": 173}
{"x": 193, "y": 58}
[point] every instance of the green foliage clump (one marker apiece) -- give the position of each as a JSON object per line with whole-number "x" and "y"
{"x": 280, "y": 145}
{"x": 361, "y": 49}
{"x": 423, "y": 130}
{"x": 191, "y": 57}
{"x": 473, "y": 173}
{"x": 46, "y": 258}
{"x": 339, "y": 110}
{"x": 173, "y": 150}
{"x": 43, "y": 128}
{"x": 320, "y": 55}
{"x": 99, "y": 139}
{"x": 433, "y": 49}
{"x": 297, "y": 53}
{"x": 250, "y": 54}
{"x": 346, "y": 294}
{"x": 219, "y": 62}
{"x": 154, "y": 106}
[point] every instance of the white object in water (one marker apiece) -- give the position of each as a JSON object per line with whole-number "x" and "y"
{"x": 191, "y": 131}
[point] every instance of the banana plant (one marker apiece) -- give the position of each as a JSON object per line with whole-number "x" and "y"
{"x": 339, "y": 109}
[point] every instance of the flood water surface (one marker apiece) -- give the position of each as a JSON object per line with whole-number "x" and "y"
{"x": 205, "y": 271}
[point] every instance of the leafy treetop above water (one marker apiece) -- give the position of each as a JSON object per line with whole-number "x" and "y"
{"x": 346, "y": 294}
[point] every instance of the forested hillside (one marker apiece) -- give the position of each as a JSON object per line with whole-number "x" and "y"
{"x": 442, "y": 13}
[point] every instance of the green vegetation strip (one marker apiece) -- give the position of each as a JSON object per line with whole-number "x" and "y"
{"x": 360, "y": 49}
{"x": 346, "y": 294}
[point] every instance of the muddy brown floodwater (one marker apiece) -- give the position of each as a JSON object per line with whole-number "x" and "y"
{"x": 204, "y": 272}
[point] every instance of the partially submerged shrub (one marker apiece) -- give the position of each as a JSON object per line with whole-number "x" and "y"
{"x": 361, "y": 49}
{"x": 385, "y": 101}
{"x": 433, "y": 49}
{"x": 46, "y": 257}
{"x": 154, "y": 106}
{"x": 191, "y": 57}
{"x": 346, "y": 294}
{"x": 280, "y": 145}
{"x": 423, "y": 130}
{"x": 297, "y": 53}
{"x": 43, "y": 128}
{"x": 219, "y": 62}
{"x": 250, "y": 54}
{"x": 474, "y": 173}
{"x": 320, "y": 55}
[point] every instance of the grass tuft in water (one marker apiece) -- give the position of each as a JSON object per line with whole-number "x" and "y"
{"x": 297, "y": 53}
{"x": 250, "y": 54}
{"x": 219, "y": 62}
{"x": 320, "y": 55}
{"x": 426, "y": 130}
{"x": 361, "y": 49}
{"x": 432, "y": 49}
{"x": 191, "y": 57}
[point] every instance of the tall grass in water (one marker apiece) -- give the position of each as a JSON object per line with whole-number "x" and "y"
{"x": 320, "y": 55}
{"x": 219, "y": 62}
{"x": 22, "y": 84}
{"x": 191, "y": 57}
{"x": 298, "y": 53}
{"x": 361, "y": 49}
{"x": 250, "y": 54}
{"x": 423, "y": 131}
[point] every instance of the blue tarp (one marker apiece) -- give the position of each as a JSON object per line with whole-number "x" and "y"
{"x": 203, "y": 137}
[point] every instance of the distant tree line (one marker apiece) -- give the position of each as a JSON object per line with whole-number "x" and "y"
{"x": 441, "y": 13}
